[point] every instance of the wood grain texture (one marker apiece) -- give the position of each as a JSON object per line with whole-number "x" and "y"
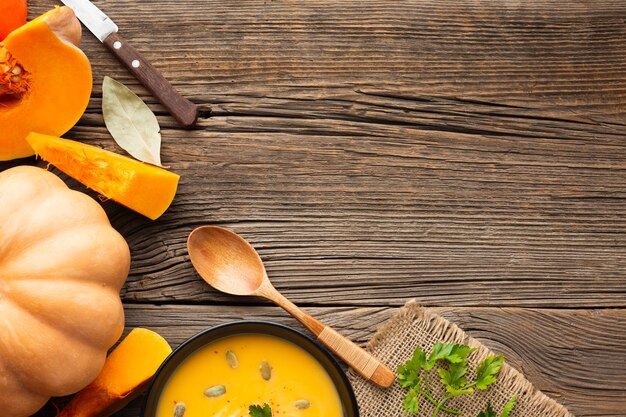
{"x": 460, "y": 152}
{"x": 466, "y": 153}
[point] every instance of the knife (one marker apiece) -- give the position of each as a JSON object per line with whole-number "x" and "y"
{"x": 106, "y": 30}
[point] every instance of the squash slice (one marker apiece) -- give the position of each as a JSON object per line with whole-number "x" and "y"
{"x": 147, "y": 189}
{"x": 45, "y": 80}
{"x": 126, "y": 373}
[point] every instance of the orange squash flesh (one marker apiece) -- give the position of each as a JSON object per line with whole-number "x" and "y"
{"x": 45, "y": 81}
{"x": 12, "y": 16}
{"x": 126, "y": 373}
{"x": 147, "y": 189}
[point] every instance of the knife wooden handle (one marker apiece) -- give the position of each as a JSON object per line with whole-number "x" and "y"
{"x": 182, "y": 109}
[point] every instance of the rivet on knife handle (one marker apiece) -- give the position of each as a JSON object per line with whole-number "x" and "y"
{"x": 182, "y": 109}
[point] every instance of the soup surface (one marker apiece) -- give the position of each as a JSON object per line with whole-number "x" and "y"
{"x": 298, "y": 385}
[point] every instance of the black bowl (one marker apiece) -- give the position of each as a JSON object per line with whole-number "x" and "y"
{"x": 346, "y": 394}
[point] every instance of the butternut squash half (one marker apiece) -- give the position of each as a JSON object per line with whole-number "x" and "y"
{"x": 147, "y": 189}
{"x": 45, "y": 80}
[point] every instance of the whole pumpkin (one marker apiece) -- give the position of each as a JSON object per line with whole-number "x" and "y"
{"x": 62, "y": 266}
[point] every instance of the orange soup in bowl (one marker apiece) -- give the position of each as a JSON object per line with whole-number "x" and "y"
{"x": 227, "y": 376}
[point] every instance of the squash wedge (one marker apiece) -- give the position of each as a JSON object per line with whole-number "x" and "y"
{"x": 144, "y": 188}
{"x": 126, "y": 373}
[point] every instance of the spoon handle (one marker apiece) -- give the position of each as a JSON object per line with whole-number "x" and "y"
{"x": 358, "y": 358}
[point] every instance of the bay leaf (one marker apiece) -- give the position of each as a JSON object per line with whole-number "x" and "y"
{"x": 131, "y": 122}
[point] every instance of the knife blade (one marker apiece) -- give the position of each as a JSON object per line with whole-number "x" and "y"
{"x": 98, "y": 23}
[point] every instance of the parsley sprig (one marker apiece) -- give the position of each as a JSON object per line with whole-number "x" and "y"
{"x": 258, "y": 411}
{"x": 450, "y": 360}
{"x": 505, "y": 412}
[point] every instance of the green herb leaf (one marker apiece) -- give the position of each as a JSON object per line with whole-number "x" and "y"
{"x": 487, "y": 371}
{"x": 455, "y": 392}
{"x": 451, "y": 352}
{"x": 410, "y": 403}
{"x": 440, "y": 351}
{"x": 508, "y": 408}
{"x": 131, "y": 122}
{"x": 488, "y": 412}
{"x": 408, "y": 374}
{"x": 258, "y": 411}
{"x": 414, "y": 374}
{"x": 454, "y": 376}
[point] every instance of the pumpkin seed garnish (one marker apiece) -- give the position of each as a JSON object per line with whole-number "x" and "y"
{"x": 302, "y": 404}
{"x": 179, "y": 409}
{"x": 216, "y": 391}
{"x": 266, "y": 370}
{"x": 232, "y": 360}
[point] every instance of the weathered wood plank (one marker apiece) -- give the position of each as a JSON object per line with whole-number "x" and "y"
{"x": 374, "y": 215}
{"x": 459, "y": 152}
{"x": 575, "y": 356}
{"x": 368, "y": 217}
{"x": 537, "y": 54}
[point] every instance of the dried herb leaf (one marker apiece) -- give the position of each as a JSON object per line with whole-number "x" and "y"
{"x": 131, "y": 123}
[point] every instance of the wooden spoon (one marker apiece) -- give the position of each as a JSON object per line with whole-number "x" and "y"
{"x": 228, "y": 263}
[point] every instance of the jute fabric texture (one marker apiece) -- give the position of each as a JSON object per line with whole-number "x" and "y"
{"x": 415, "y": 326}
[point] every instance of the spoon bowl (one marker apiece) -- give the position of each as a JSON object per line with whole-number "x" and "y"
{"x": 228, "y": 263}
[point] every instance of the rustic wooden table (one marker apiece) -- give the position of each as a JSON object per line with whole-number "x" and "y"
{"x": 470, "y": 154}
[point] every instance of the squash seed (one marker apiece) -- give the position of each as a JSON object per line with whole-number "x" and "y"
{"x": 216, "y": 391}
{"x": 266, "y": 370}
{"x": 232, "y": 360}
{"x": 302, "y": 404}
{"x": 179, "y": 409}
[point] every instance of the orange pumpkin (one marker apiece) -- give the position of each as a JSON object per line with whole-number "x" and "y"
{"x": 12, "y": 16}
{"x": 62, "y": 266}
{"x": 45, "y": 80}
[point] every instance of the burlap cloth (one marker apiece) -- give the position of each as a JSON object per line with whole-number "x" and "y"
{"x": 395, "y": 342}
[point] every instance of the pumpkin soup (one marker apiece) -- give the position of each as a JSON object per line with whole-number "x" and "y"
{"x": 226, "y": 377}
